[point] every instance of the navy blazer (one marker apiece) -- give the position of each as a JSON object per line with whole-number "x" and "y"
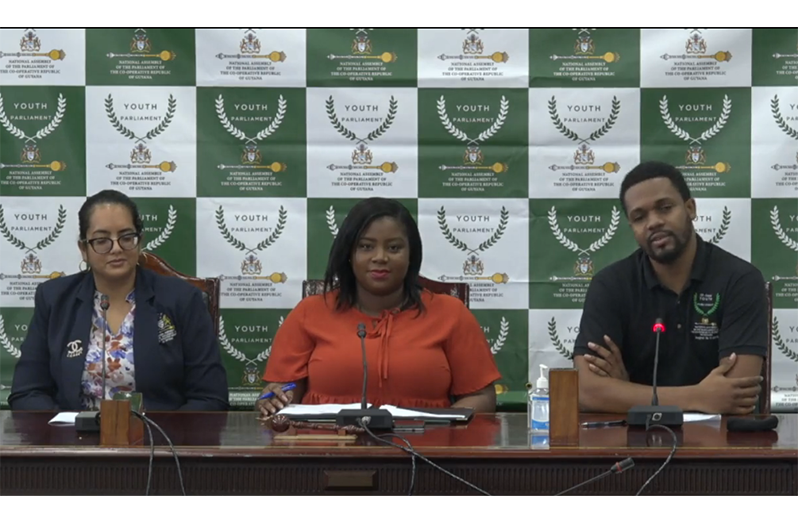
{"x": 184, "y": 373}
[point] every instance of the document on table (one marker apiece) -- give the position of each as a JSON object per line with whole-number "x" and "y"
{"x": 64, "y": 418}
{"x": 690, "y": 417}
{"x": 329, "y": 410}
{"x": 397, "y": 412}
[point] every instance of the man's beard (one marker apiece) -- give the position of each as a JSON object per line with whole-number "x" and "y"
{"x": 670, "y": 256}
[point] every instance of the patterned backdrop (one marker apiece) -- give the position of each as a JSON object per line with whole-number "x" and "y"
{"x": 245, "y": 149}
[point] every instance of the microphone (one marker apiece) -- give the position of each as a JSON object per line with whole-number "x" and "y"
{"x": 89, "y": 421}
{"x": 376, "y": 419}
{"x": 104, "y": 305}
{"x": 643, "y": 415}
{"x": 752, "y": 424}
{"x": 619, "y": 467}
{"x": 361, "y": 332}
{"x": 658, "y": 328}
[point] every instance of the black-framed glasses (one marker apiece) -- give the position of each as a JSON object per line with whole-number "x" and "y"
{"x": 127, "y": 242}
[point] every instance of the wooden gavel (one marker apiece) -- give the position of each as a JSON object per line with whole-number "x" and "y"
{"x": 281, "y": 423}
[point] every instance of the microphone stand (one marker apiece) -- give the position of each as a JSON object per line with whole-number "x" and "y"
{"x": 104, "y": 305}
{"x": 643, "y": 415}
{"x": 361, "y": 333}
{"x": 376, "y": 419}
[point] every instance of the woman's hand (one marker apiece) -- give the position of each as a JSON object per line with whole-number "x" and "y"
{"x": 279, "y": 400}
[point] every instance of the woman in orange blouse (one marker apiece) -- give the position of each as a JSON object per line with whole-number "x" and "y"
{"x": 423, "y": 349}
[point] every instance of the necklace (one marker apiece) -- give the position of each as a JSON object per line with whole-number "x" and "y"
{"x": 400, "y": 307}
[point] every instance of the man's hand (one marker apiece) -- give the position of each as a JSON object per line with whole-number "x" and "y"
{"x": 717, "y": 394}
{"x": 609, "y": 363}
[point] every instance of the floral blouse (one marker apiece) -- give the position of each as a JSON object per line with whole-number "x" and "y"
{"x": 119, "y": 367}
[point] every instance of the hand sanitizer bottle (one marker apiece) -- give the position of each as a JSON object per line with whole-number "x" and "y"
{"x": 540, "y": 404}
{"x": 529, "y": 390}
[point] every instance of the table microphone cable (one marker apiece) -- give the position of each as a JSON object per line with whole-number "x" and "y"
{"x": 408, "y": 446}
{"x": 147, "y": 422}
{"x": 152, "y": 456}
{"x": 617, "y": 468}
{"x": 152, "y": 450}
{"x": 667, "y": 460}
{"x": 410, "y": 450}
{"x": 628, "y": 463}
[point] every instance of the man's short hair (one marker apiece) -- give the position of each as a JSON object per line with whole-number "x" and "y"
{"x": 653, "y": 169}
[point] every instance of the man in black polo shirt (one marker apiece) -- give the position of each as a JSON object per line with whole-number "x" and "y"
{"x": 712, "y": 303}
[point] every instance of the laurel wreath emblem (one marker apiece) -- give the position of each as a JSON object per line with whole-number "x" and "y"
{"x": 331, "y": 221}
{"x": 774, "y": 107}
{"x": 504, "y": 329}
{"x": 16, "y": 242}
{"x": 487, "y": 244}
{"x": 41, "y": 133}
{"x": 171, "y": 219}
{"x": 571, "y": 245}
{"x": 724, "y": 226}
{"x": 684, "y": 135}
{"x": 127, "y": 133}
{"x": 282, "y": 107}
{"x": 237, "y": 354}
{"x": 555, "y": 340}
{"x": 504, "y": 108}
{"x": 6, "y": 343}
{"x": 775, "y": 222}
{"x": 348, "y": 134}
{"x": 780, "y": 342}
{"x": 595, "y": 135}
{"x": 238, "y": 244}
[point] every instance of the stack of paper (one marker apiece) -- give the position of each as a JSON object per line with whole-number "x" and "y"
{"x": 397, "y": 412}
{"x": 326, "y": 410}
{"x": 689, "y": 417}
{"x": 64, "y": 418}
{"x": 329, "y": 410}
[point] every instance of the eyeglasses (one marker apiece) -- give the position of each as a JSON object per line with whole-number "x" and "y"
{"x": 127, "y": 242}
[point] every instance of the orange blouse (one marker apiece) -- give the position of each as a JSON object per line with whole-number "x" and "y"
{"x": 414, "y": 361}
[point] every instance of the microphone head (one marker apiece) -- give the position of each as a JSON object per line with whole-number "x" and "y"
{"x": 659, "y": 326}
{"x": 104, "y": 303}
{"x": 752, "y": 424}
{"x": 361, "y": 329}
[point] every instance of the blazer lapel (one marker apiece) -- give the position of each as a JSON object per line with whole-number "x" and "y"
{"x": 78, "y": 338}
{"x": 145, "y": 335}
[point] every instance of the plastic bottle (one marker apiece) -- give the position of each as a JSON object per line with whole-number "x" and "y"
{"x": 529, "y": 390}
{"x": 539, "y": 404}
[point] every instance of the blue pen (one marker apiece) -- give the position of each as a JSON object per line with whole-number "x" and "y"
{"x": 284, "y": 388}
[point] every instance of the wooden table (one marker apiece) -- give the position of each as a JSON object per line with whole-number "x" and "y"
{"x": 233, "y": 453}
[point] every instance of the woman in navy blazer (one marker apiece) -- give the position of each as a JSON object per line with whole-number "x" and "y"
{"x": 159, "y": 337}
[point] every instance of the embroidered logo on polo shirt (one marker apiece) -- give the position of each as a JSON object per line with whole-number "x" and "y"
{"x": 706, "y": 305}
{"x": 166, "y": 329}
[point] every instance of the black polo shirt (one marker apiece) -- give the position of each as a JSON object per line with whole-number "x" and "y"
{"x": 723, "y": 310}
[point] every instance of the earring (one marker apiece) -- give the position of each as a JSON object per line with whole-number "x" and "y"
{"x": 80, "y": 266}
